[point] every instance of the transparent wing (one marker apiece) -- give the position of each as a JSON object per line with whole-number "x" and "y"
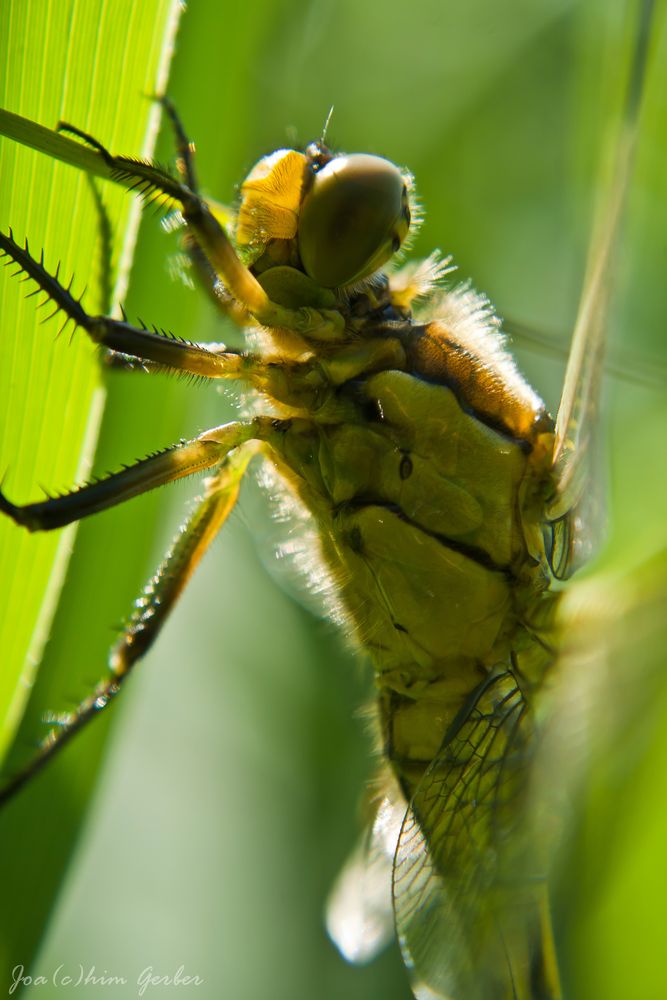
{"x": 574, "y": 508}
{"x": 469, "y": 894}
{"x": 360, "y": 917}
{"x": 602, "y": 765}
{"x": 650, "y": 373}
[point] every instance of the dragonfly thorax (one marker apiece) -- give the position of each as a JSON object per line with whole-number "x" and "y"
{"x": 426, "y": 475}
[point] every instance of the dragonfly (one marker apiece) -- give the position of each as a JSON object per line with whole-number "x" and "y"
{"x": 387, "y": 312}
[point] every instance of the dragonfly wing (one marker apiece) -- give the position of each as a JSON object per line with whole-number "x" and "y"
{"x": 571, "y": 509}
{"x": 469, "y": 900}
{"x": 605, "y": 707}
{"x": 360, "y": 918}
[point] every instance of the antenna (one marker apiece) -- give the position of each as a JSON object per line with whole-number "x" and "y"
{"x": 326, "y": 125}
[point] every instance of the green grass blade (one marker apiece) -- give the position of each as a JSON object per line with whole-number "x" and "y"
{"x": 89, "y": 63}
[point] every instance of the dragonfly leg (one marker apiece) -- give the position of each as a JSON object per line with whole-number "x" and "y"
{"x": 150, "y": 612}
{"x": 185, "y": 148}
{"x": 152, "y": 346}
{"x": 105, "y": 238}
{"x": 103, "y": 220}
{"x": 205, "y": 274}
{"x": 224, "y": 265}
{"x": 110, "y": 358}
{"x": 186, "y": 459}
{"x": 153, "y": 182}
{"x": 211, "y": 284}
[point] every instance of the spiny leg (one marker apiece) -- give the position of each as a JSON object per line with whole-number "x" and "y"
{"x": 151, "y": 611}
{"x": 299, "y": 384}
{"x": 186, "y": 459}
{"x": 155, "y": 183}
{"x": 318, "y": 324}
{"x": 105, "y": 263}
{"x": 185, "y": 165}
{"x": 153, "y": 346}
{"x": 105, "y": 237}
{"x": 185, "y": 148}
{"x": 103, "y": 220}
{"x": 204, "y": 272}
{"x": 208, "y": 279}
{"x": 139, "y": 348}
{"x": 151, "y": 181}
{"x": 109, "y": 358}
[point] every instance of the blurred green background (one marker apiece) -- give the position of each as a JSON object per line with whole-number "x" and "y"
{"x": 229, "y": 796}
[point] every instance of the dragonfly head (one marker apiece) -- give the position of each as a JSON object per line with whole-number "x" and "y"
{"x": 338, "y": 217}
{"x": 354, "y": 216}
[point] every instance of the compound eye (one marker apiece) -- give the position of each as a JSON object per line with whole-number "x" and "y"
{"x": 353, "y": 218}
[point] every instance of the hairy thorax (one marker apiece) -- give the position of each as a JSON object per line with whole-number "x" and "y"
{"x": 426, "y": 479}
